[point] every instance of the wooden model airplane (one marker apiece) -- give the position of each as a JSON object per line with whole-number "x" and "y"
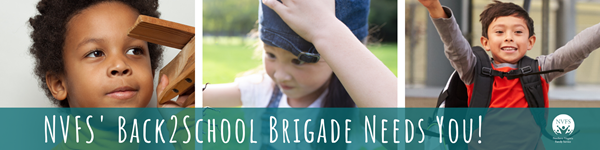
{"x": 181, "y": 69}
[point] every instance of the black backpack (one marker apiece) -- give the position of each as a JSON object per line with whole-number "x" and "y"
{"x": 455, "y": 92}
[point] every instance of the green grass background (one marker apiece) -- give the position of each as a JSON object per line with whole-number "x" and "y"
{"x": 224, "y": 58}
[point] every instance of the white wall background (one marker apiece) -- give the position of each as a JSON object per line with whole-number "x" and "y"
{"x": 18, "y": 85}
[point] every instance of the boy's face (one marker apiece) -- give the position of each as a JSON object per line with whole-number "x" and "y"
{"x": 508, "y": 39}
{"x": 298, "y": 81}
{"x": 103, "y": 66}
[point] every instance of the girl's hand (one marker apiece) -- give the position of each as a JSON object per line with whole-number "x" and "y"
{"x": 435, "y": 8}
{"x": 308, "y": 18}
{"x": 366, "y": 79}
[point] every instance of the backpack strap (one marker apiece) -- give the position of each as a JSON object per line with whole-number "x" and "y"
{"x": 531, "y": 83}
{"x": 482, "y": 90}
{"x": 270, "y": 111}
{"x": 534, "y": 92}
{"x": 518, "y": 73}
{"x": 275, "y": 98}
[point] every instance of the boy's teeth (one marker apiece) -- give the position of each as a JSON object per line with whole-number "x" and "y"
{"x": 508, "y": 49}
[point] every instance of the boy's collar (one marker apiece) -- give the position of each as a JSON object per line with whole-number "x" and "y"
{"x": 501, "y": 65}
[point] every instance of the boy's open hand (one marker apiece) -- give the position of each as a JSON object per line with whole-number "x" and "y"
{"x": 172, "y": 114}
{"x": 434, "y": 7}
{"x": 308, "y": 18}
{"x": 162, "y": 84}
{"x": 430, "y": 3}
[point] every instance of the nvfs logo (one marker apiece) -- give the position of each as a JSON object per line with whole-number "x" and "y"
{"x": 563, "y": 124}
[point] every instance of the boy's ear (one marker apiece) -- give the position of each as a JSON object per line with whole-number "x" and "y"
{"x": 484, "y": 42}
{"x": 57, "y": 85}
{"x": 531, "y": 42}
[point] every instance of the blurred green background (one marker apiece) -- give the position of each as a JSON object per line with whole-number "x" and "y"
{"x": 228, "y": 50}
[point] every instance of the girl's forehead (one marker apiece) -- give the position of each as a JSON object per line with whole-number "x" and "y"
{"x": 282, "y": 53}
{"x": 278, "y": 51}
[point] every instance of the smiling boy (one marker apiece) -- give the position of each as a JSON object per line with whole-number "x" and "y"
{"x": 507, "y": 31}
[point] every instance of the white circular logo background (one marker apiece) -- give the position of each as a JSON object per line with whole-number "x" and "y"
{"x": 563, "y": 124}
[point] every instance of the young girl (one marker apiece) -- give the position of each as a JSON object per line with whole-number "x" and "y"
{"x": 313, "y": 57}
{"x": 327, "y": 67}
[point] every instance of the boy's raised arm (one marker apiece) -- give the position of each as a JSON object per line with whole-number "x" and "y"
{"x": 456, "y": 47}
{"x": 435, "y": 8}
{"x": 572, "y": 54}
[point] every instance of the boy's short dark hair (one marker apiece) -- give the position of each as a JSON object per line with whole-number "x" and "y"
{"x": 49, "y": 33}
{"x": 499, "y": 9}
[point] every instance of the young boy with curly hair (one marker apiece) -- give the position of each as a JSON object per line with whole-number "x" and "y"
{"x": 84, "y": 57}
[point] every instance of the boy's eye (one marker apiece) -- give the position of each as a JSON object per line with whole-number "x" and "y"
{"x": 519, "y": 32}
{"x": 499, "y": 31}
{"x": 134, "y": 51}
{"x": 297, "y": 62}
{"x": 95, "y": 53}
{"x": 271, "y": 55}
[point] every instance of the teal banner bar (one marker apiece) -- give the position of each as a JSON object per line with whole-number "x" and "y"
{"x": 304, "y": 128}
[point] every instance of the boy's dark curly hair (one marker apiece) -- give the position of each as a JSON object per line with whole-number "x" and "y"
{"x": 49, "y": 33}
{"x": 499, "y": 9}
